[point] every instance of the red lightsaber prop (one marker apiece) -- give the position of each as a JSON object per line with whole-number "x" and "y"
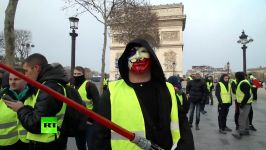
{"x": 140, "y": 141}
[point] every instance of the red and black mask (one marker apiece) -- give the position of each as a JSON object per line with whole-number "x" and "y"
{"x": 139, "y": 60}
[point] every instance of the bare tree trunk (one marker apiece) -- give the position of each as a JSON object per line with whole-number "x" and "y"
{"x": 9, "y": 32}
{"x": 103, "y": 57}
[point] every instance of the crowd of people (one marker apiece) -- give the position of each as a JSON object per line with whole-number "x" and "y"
{"x": 141, "y": 101}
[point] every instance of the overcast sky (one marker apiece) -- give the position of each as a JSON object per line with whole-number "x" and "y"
{"x": 212, "y": 29}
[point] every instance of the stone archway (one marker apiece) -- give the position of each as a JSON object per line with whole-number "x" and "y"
{"x": 171, "y": 26}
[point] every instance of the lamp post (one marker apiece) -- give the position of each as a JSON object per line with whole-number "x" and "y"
{"x": 27, "y": 46}
{"x": 173, "y": 68}
{"x": 73, "y": 25}
{"x": 243, "y": 39}
{"x": 228, "y": 67}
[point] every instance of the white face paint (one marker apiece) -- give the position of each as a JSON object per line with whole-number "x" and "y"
{"x": 137, "y": 54}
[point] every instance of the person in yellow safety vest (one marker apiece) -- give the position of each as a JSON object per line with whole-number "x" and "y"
{"x": 12, "y": 133}
{"x": 90, "y": 95}
{"x": 186, "y": 141}
{"x": 43, "y": 105}
{"x": 233, "y": 89}
{"x": 244, "y": 99}
{"x": 209, "y": 82}
{"x": 141, "y": 102}
{"x": 105, "y": 82}
{"x": 189, "y": 78}
{"x": 254, "y": 88}
{"x": 223, "y": 94}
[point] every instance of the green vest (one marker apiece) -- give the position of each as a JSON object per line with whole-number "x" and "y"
{"x": 209, "y": 84}
{"x": 225, "y": 94}
{"x": 180, "y": 98}
{"x": 48, "y": 137}
{"x": 126, "y": 112}
{"x": 240, "y": 95}
{"x": 83, "y": 94}
{"x": 11, "y": 129}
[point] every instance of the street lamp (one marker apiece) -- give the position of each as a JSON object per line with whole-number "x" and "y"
{"x": 73, "y": 25}
{"x": 173, "y": 68}
{"x": 27, "y": 46}
{"x": 228, "y": 67}
{"x": 243, "y": 39}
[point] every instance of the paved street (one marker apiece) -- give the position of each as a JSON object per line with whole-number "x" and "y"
{"x": 208, "y": 137}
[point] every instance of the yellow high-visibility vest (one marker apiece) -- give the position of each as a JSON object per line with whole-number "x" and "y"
{"x": 83, "y": 94}
{"x": 180, "y": 98}
{"x": 105, "y": 81}
{"x": 209, "y": 84}
{"x": 126, "y": 112}
{"x": 240, "y": 95}
{"x": 48, "y": 137}
{"x": 225, "y": 94}
{"x": 11, "y": 129}
{"x": 190, "y": 78}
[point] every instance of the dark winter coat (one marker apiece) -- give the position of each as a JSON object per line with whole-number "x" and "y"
{"x": 186, "y": 141}
{"x": 46, "y": 105}
{"x": 197, "y": 90}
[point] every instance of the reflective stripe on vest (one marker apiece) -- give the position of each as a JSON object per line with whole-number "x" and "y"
{"x": 225, "y": 94}
{"x": 47, "y": 137}
{"x": 126, "y": 112}
{"x": 83, "y": 94}
{"x": 209, "y": 84}
{"x": 240, "y": 95}
{"x": 180, "y": 98}
{"x": 11, "y": 129}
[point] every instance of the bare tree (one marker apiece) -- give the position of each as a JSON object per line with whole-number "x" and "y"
{"x": 22, "y": 44}
{"x": 101, "y": 10}
{"x": 132, "y": 22}
{"x": 9, "y": 31}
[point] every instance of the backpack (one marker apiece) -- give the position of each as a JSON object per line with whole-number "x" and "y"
{"x": 74, "y": 122}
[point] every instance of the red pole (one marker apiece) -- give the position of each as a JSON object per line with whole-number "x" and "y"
{"x": 107, "y": 123}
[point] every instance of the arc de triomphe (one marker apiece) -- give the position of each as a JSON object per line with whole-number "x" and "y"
{"x": 170, "y": 52}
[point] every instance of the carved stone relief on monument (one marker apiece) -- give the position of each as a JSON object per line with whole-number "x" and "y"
{"x": 169, "y": 60}
{"x": 170, "y": 35}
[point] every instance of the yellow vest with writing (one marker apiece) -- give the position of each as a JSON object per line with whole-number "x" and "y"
{"x": 126, "y": 112}
{"x": 48, "y": 137}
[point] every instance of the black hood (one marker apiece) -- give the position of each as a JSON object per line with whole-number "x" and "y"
{"x": 222, "y": 78}
{"x": 240, "y": 76}
{"x": 157, "y": 74}
{"x": 54, "y": 72}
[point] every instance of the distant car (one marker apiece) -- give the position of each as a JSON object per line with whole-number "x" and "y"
{"x": 96, "y": 79}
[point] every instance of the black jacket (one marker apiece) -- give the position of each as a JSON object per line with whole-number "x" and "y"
{"x": 197, "y": 90}
{"x": 46, "y": 105}
{"x": 186, "y": 141}
{"x": 155, "y": 98}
